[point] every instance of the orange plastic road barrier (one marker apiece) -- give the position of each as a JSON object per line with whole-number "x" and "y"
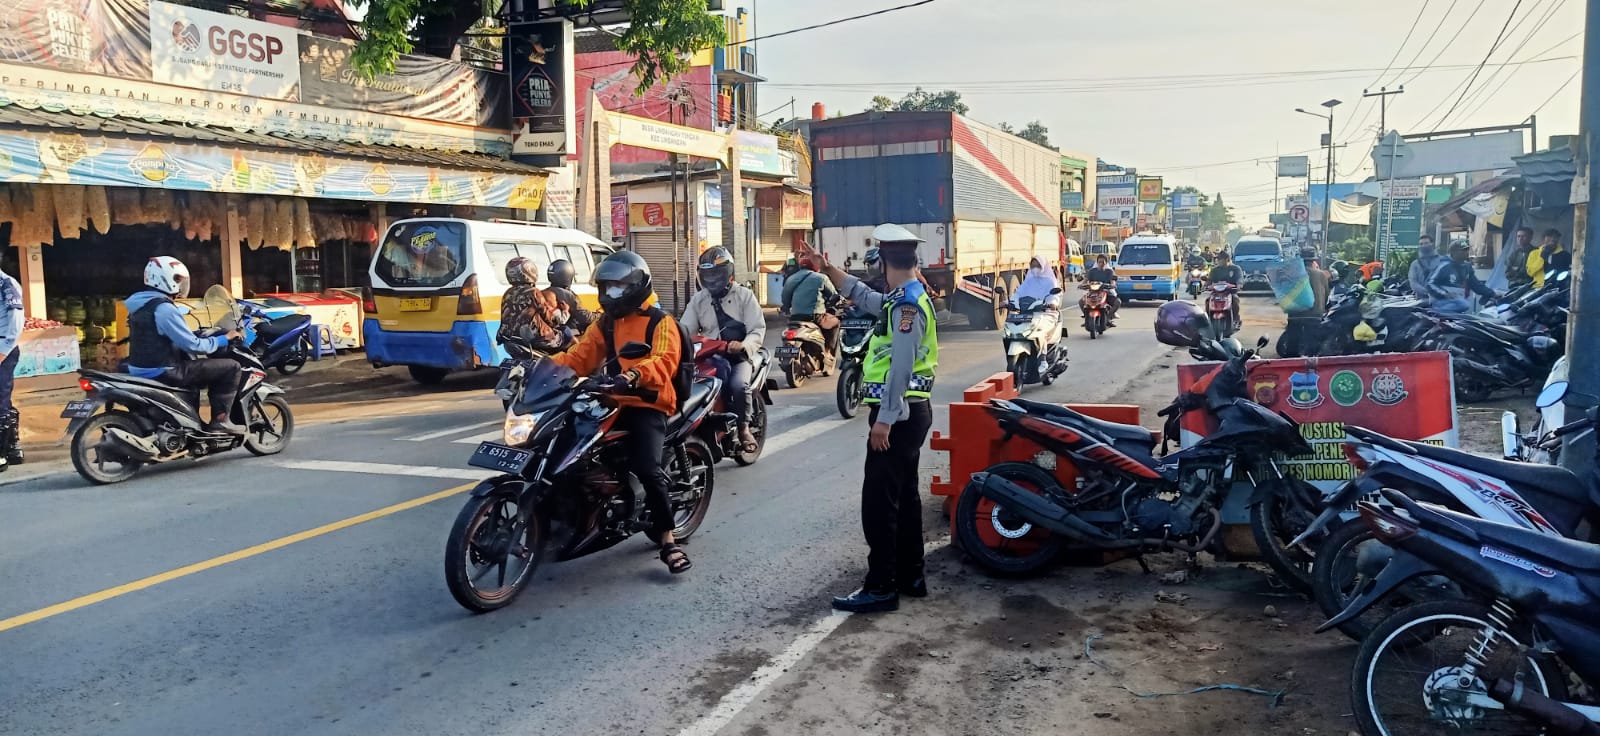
{"x": 975, "y": 440}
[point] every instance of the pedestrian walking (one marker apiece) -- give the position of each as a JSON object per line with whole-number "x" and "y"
{"x": 902, "y": 357}
{"x": 11, "y": 324}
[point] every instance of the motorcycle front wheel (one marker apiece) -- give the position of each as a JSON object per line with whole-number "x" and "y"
{"x": 1269, "y": 525}
{"x": 270, "y": 426}
{"x": 1024, "y": 367}
{"x": 847, "y": 394}
{"x": 89, "y": 454}
{"x": 492, "y": 552}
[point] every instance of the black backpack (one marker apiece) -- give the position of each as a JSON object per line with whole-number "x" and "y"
{"x": 683, "y": 378}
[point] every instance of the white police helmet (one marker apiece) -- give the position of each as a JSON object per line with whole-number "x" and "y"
{"x": 892, "y": 233}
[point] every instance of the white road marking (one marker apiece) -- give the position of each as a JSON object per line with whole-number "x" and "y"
{"x": 495, "y": 436}
{"x": 786, "y": 411}
{"x": 450, "y": 431}
{"x": 348, "y": 466}
{"x": 802, "y": 433}
{"x": 739, "y": 698}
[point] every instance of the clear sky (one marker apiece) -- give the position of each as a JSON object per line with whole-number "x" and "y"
{"x": 1163, "y": 84}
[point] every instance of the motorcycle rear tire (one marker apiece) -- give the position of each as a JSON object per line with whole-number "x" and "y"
{"x": 849, "y": 391}
{"x": 795, "y": 374}
{"x": 296, "y": 358}
{"x": 86, "y": 440}
{"x": 1265, "y": 522}
{"x": 1330, "y": 580}
{"x": 973, "y": 510}
{"x": 457, "y": 571}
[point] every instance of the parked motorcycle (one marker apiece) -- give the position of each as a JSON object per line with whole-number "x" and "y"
{"x": 1502, "y": 658}
{"x": 1197, "y": 282}
{"x": 146, "y": 422}
{"x": 1487, "y": 356}
{"x": 1219, "y": 306}
{"x": 1035, "y": 352}
{"x": 1096, "y": 313}
{"x": 854, "y": 334}
{"x": 723, "y": 436}
{"x": 1014, "y": 518}
{"x": 283, "y": 343}
{"x": 563, "y": 491}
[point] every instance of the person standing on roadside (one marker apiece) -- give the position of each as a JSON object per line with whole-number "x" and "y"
{"x": 902, "y": 356}
{"x": 11, "y": 324}
{"x": 1302, "y": 335}
{"x": 1517, "y": 262}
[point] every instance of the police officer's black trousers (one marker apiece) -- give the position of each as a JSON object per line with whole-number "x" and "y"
{"x": 891, "y": 502}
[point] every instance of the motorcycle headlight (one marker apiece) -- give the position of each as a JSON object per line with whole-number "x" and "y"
{"x": 519, "y": 427}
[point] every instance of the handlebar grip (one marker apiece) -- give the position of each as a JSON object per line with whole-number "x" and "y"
{"x": 1573, "y": 427}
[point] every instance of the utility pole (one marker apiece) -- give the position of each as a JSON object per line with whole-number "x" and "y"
{"x": 1583, "y": 332}
{"x": 1383, "y": 105}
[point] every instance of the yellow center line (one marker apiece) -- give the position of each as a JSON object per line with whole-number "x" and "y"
{"x": 248, "y": 552}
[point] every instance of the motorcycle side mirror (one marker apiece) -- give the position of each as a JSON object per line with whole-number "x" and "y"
{"x": 1551, "y": 395}
{"x": 1056, "y": 290}
{"x": 1261, "y": 342}
{"x": 634, "y": 350}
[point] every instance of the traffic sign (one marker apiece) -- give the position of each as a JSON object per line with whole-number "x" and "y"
{"x": 1300, "y": 213}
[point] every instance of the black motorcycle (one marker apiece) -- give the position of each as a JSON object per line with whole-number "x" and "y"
{"x": 563, "y": 490}
{"x": 146, "y": 422}
{"x": 854, "y": 334}
{"x": 804, "y": 351}
{"x": 1014, "y": 518}
{"x": 1501, "y": 658}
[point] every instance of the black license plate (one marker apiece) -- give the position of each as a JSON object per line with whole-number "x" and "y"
{"x": 787, "y": 351}
{"x": 858, "y": 324}
{"x": 499, "y": 457}
{"x": 80, "y": 409}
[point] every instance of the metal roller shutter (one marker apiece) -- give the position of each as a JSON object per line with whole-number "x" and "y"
{"x": 669, "y": 277}
{"x": 774, "y": 241}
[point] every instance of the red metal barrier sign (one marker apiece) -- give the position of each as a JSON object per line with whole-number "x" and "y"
{"x": 1408, "y": 396}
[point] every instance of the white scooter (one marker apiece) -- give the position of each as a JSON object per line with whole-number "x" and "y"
{"x": 1035, "y": 352}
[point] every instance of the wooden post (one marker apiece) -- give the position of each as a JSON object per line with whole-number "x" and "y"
{"x": 232, "y": 267}
{"x": 30, "y": 264}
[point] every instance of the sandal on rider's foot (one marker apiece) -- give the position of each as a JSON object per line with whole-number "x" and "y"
{"x": 677, "y": 561}
{"x": 748, "y": 443}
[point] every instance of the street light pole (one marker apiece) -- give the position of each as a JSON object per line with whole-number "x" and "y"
{"x": 1327, "y": 189}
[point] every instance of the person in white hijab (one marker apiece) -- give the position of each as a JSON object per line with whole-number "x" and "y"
{"x": 1039, "y": 282}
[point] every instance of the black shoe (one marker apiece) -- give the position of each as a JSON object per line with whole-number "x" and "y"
{"x": 915, "y": 589}
{"x": 866, "y": 601}
{"x": 221, "y": 426}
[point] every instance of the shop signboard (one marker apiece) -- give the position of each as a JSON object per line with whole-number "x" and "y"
{"x": 1072, "y": 201}
{"x": 1400, "y": 215}
{"x": 1408, "y": 396}
{"x": 199, "y": 49}
{"x": 1116, "y": 202}
{"x": 69, "y": 158}
{"x": 1149, "y": 189}
{"x": 631, "y": 130}
{"x": 653, "y": 216}
{"x": 541, "y": 69}
{"x": 1294, "y": 166}
{"x": 796, "y": 212}
{"x": 758, "y": 153}
{"x": 713, "y": 195}
{"x": 1185, "y": 201}
{"x": 420, "y": 86}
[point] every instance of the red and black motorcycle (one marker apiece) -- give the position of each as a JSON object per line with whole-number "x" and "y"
{"x": 724, "y": 436}
{"x": 1015, "y": 517}
{"x": 1096, "y": 313}
{"x": 1220, "y": 298}
{"x": 563, "y": 489}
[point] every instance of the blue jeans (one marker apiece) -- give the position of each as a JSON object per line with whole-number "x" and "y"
{"x": 1454, "y": 306}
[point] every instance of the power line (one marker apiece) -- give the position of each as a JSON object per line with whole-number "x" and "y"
{"x": 1431, "y": 35}
{"x": 1475, "y": 72}
{"x": 1452, "y": 40}
{"x": 1484, "y": 92}
{"x": 1557, "y": 92}
{"x": 832, "y": 22}
{"x": 1402, "y": 47}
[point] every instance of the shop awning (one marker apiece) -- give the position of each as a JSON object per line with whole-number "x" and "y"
{"x": 64, "y": 147}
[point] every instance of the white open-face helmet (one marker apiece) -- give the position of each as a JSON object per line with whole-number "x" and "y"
{"x": 892, "y": 233}
{"x": 167, "y": 275}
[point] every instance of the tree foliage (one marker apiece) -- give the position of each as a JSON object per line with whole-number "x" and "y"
{"x": 661, "y": 34}
{"x": 1034, "y": 132}
{"x": 1214, "y": 213}
{"x": 922, "y": 100}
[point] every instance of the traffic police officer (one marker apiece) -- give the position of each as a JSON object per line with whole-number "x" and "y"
{"x": 902, "y": 356}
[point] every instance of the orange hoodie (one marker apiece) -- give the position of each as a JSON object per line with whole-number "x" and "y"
{"x": 654, "y": 371}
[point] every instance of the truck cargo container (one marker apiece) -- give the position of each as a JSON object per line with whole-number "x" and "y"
{"x": 984, "y": 200}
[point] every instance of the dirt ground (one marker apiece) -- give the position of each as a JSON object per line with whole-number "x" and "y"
{"x": 1109, "y": 651}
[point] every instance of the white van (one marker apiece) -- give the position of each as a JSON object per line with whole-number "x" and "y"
{"x": 1148, "y": 267}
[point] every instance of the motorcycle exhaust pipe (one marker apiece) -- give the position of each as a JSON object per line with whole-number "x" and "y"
{"x": 133, "y": 446}
{"x": 1541, "y": 708}
{"x": 1038, "y": 510}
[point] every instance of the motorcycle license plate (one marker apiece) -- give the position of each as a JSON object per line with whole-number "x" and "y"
{"x": 857, "y": 324}
{"x": 494, "y": 456}
{"x": 80, "y": 409}
{"x": 1144, "y": 287}
{"x": 420, "y": 304}
{"x": 787, "y": 351}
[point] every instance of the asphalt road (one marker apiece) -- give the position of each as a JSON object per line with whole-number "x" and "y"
{"x": 304, "y": 594}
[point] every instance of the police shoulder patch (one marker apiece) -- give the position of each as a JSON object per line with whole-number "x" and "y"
{"x": 908, "y": 317}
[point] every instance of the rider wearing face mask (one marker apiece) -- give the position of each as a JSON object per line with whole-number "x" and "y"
{"x": 1422, "y": 269}
{"x": 724, "y": 310}
{"x": 643, "y": 387}
{"x": 159, "y": 340}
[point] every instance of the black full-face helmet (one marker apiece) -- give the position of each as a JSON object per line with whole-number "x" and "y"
{"x": 561, "y": 273}
{"x": 716, "y": 271}
{"x": 623, "y": 279}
